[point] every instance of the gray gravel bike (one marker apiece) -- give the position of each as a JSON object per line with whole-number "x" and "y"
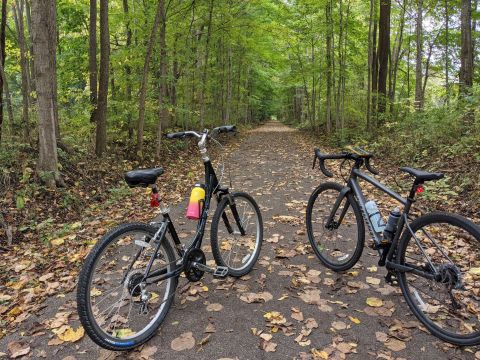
{"x": 435, "y": 258}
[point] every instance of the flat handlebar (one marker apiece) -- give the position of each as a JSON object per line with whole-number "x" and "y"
{"x": 358, "y": 155}
{"x": 185, "y": 134}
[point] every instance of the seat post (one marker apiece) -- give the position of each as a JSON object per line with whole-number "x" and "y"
{"x": 413, "y": 190}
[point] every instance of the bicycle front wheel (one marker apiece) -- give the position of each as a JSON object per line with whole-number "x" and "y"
{"x": 338, "y": 243}
{"x": 230, "y": 247}
{"x": 119, "y": 310}
{"x": 444, "y": 290}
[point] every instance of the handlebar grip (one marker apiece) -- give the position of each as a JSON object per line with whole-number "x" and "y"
{"x": 324, "y": 169}
{"x": 177, "y": 135}
{"x": 370, "y": 168}
{"x": 321, "y": 160}
{"x": 225, "y": 129}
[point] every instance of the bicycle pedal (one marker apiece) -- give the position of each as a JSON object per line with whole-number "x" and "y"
{"x": 220, "y": 271}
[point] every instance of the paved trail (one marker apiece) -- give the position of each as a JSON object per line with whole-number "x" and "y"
{"x": 274, "y": 166}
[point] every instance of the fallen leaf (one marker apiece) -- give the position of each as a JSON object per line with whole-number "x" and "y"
{"x": 339, "y": 325}
{"x": 183, "y": 342}
{"x": 256, "y": 297}
{"x": 215, "y": 307}
{"x": 71, "y": 335}
{"x": 372, "y": 280}
{"x": 354, "y": 320}
{"x": 148, "y": 352}
{"x": 395, "y": 345}
{"x": 275, "y": 318}
{"x": 17, "y": 349}
{"x": 374, "y": 302}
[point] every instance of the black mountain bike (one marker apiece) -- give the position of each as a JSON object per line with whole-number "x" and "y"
{"x": 434, "y": 258}
{"x": 128, "y": 280}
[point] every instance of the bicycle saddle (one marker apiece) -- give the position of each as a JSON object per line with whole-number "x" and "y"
{"x": 421, "y": 175}
{"x": 142, "y": 177}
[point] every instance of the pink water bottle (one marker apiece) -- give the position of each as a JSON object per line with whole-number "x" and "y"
{"x": 197, "y": 197}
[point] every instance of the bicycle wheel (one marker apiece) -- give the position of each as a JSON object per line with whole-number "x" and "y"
{"x": 117, "y": 309}
{"x": 445, "y": 247}
{"x": 337, "y": 245}
{"x": 231, "y": 249}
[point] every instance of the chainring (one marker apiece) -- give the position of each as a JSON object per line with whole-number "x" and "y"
{"x": 194, "y": 256}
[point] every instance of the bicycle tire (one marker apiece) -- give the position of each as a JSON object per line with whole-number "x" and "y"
{"x": 360, "y": 227}
{"x": 216, "y": 247}
{"x": 418, "y": 224}
{"x": 84, "y": 309}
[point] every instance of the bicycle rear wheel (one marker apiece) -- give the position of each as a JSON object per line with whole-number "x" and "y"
{"x": 117, "y": 309}
{"x": 337, "y": 245}
{"x": 229, "y": 247}
{"x": 446, "y": 247}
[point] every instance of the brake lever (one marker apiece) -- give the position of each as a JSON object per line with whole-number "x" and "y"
{"x": 314, "y": 161}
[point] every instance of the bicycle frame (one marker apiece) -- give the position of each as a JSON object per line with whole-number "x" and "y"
{"x": 213, "y": 188}
{"x": 386, "y": 254}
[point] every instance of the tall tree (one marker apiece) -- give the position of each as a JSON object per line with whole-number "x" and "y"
{"x": 163, "y": 93}
{"x": 92, "y": 57}
{"x": 144, "y": 81}
{"x": 44, "y": 36}
{"x": 329, "y": 51}
{"x": 466, "y": 55}
{"x": 18, "y": 10}
{"x": 3, "y": 25}
{"x": 383, "y": 52}
{"x": 101, "y": 113}
{"x": 205, "y": 64}
{"x": 128, "y": 71}
{"x": 419, "y": 59}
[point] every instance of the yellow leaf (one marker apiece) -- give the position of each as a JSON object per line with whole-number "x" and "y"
{"x": 123, "y": 333}
{"x": 72, "y": 335}
{"x": 57, "y": 242}
{"x": 95, "y": 292}
{"x": 317, "y": 354}
{"x": 354, "y": 320}
{"x": 374, "y": 302}
{"x": 275, "y": 317}
{"x": 474, "y": 271}
{"x": 205, "y": 288}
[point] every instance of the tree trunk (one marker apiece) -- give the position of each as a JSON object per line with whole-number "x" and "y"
{"x": 31, "y": 59}
{"x": 128, "y": 72}
{"x": 205, "y": 65}
{"x": 340, "y": 61}
{"x": 383, "y": 53}
{"x": 418, "y": 65}
{"x": 163, "y": 96}
{"x": 328, "y": 14}
{"x": 447, "y": 55}
{"x": 466, "y": 57}
{"x": 18, "y": 19}
{"x": 101, "y": 113}
{"x": 144, "y": 82}
{"x": 8, "y": 97}
{"x": 374, "y": 67}
{"x": 3, "y": 24}
{"x": 396, "y": 56}
{"x": 92, "y": 58}
{"x": 370, "y": 62}
{"x": 44, "y": 35}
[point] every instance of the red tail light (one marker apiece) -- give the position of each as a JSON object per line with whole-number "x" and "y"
{"x": 419, "y": 189}
{"x": 154, "y": 201}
